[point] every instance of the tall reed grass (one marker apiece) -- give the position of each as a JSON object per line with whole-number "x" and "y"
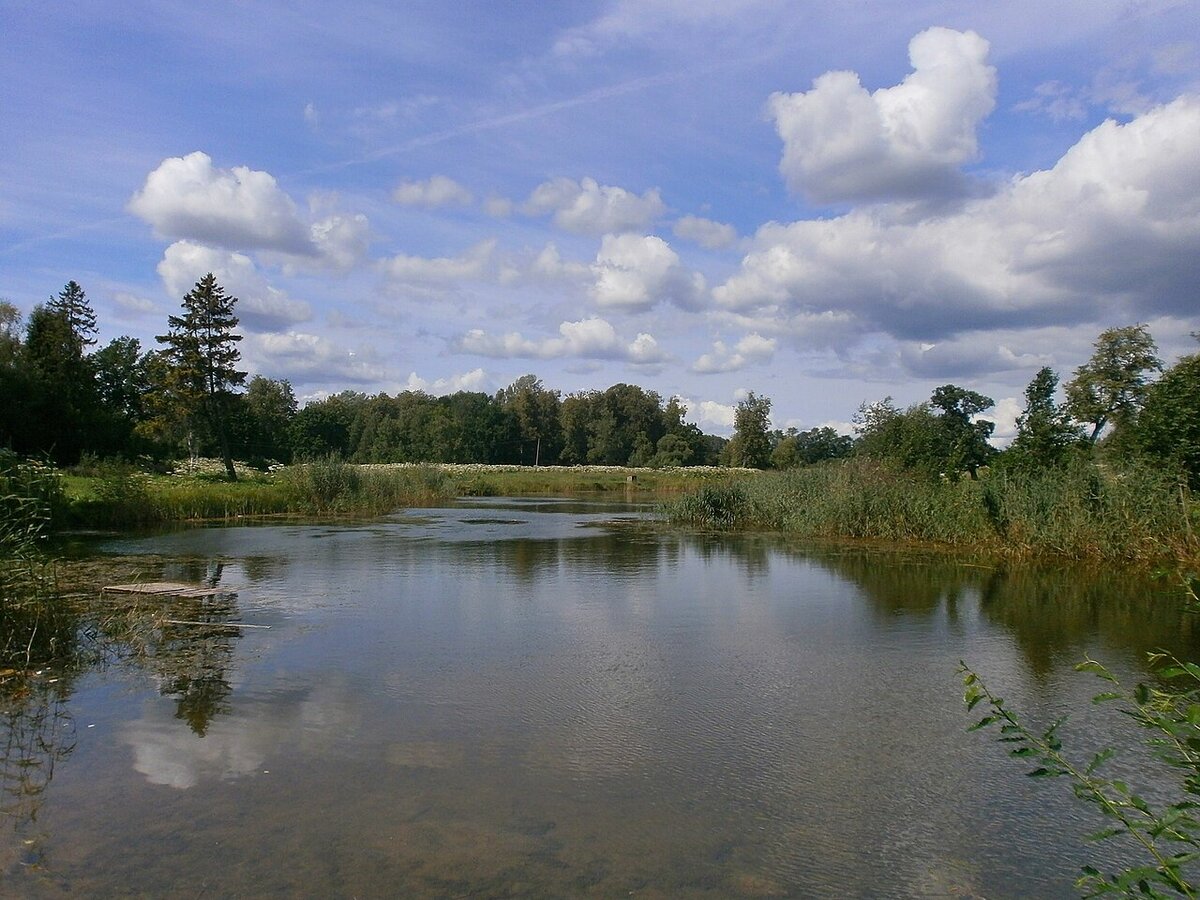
{"x": 327, "y": 486}
{"x": 34, "y": 626}
{"x": 1140, "y": 515}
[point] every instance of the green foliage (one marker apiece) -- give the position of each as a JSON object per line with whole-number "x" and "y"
{"x": 941, "y": 438}
{"x": 72, "y": 304}
{"x": 201, "y": 350}
{"x": 1045, "y": 433}
{"x": 1110, "y": 387}
{"x": 721, "y": 507}
{"x": 1080, "y": 512}
{"x": 750, "y": 446}
{"x": 812, "y": 446}
{"x": 1169, "y": 713}
{"x": 1168, "y": 428}
{"x": 34, "y": 625}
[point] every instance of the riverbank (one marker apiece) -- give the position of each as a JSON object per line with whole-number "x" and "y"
{"x": 124, "y": 499}
{"x": 1140, "y": 516}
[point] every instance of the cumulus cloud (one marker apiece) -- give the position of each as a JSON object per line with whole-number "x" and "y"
{"x": 586, "y": 207}
{"x": 592, "y": 338}
{"x": 752, "y": 348}
{"x": 907, "y": 141}
{"x": 435, "y": 192}
{"x": 971, "y": 355}
{"x": 634, "y": 272}
{"x": 260, "y": 306}
{"x": 711, "y": 413}
{"x": 303, "y": 357}
{"x": 238, "y": 209}
{"x": 705, "y": 232}
{"x": 1112, "y": 230}
{"x": 419, "y": 269}
{"x": 467, "y": 381}
{"x": 550, "y": 265}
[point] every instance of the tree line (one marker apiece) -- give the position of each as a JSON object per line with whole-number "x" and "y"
{"x": 64, "y": 397}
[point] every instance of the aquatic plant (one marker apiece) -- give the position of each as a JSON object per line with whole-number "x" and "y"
{"x": 34, "y": 626}
{"x": 1141, "y": 515}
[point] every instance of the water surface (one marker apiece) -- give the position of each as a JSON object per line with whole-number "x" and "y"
{"x": 544, "y": 698}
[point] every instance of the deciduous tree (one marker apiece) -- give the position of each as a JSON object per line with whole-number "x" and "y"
{"x": 1110, "y": 387}
{"x": 1045, "y": 432}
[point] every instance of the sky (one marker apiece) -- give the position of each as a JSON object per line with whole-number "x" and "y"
{"x": 822, "y": 203}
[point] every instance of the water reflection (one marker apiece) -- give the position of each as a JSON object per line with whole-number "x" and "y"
{"x": 518, "y": 699}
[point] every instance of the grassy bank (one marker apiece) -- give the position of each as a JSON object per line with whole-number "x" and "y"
{"x": 123, "y": 498}
{"x": 1140, "y": 516}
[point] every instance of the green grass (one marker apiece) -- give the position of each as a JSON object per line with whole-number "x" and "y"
{"x": 1138, "y": 516}
{"x": 127, "y": 498}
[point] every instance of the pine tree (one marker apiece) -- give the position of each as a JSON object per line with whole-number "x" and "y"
{"x": 72, "y": 304}
{"x": 202, "y": 354}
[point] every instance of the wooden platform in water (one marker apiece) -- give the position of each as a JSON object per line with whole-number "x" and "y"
{"x": 169, "y": 589}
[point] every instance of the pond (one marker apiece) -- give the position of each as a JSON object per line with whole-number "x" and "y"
{"x": 552, "y": 698}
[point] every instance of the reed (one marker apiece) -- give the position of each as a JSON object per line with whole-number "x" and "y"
{"x": 34, "y": 626}
{"x": 1084, "y": 512}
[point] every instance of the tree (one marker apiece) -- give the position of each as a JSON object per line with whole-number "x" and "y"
{"x": 201, "y": 349}
{"x": 1169, "y": 425}
{"x": 1110, "y": 387}
{"x": 72, "y": 304}
{"x": 1045, "y": 432}
{"x": 123, "y": 381}
{"x": 268, "y": 409}
{"x": 965, "y": 439}
{"x": 534, "y": 412}
{"x": 811, "y": 446}
{"x": 751, "y": 444}
{"x": 62, "y": 397}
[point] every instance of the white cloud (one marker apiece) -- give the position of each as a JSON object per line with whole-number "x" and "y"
{"x": 132, "y": 303}
{"x": 634, "y": 272}
{"x": 467, "y": 381}
{"x": 751, "y": 348}
{"x": 418, "y": 269}
{"x": 303, "y": 357}
{"x": 638, "y": 19}
{"x": 341, "y": 240}
{"x": 311, "y": 118}
{"x": 705, "y": 232}
{"x": 498, "y": 207}
{"x": 586, "y": 207}
{"x": 241, "y": 209}
{"x": 592, "y": 338}
{"x": 550, "y": 265}
{"x": 710, "y": 412}
{"x": 1112, "y": 231}
{"x": 1056, "y": 100}
{"x": 437, "y": 191}
{"x": 260, "y": 306}
{"x": 1004, "y": 415}
{"x": 238, "y": 208}
{"x": 907, "y": 141}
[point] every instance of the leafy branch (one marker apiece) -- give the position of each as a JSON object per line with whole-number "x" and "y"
{"x": 1170, "y": 837}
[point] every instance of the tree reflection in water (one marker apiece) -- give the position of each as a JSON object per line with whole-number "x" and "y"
{"x": 190, "y": 662}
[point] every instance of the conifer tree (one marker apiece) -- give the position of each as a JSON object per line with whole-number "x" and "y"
{"x": 72, "y": 304}
{"x": 201, "y": 350}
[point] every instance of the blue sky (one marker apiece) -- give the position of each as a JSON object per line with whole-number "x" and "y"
{"x": 823, "y": 203}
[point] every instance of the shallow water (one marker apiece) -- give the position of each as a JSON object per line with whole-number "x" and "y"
{"x": 545, "y": 698}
